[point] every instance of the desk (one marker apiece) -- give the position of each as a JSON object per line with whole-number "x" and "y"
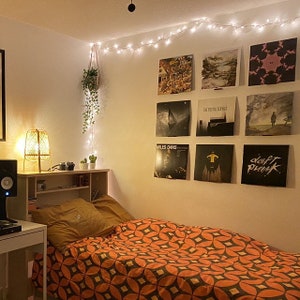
{"x": 32, "y": 234}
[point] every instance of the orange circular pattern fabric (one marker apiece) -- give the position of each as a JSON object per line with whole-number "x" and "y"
{"x": 156, "y": 259}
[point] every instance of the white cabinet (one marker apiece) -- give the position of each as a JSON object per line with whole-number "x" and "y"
{"x": 38, "y": 190}
{"x": 15, "y": 265}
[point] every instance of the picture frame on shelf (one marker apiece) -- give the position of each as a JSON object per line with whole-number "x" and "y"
{"x": 2, "y": 97}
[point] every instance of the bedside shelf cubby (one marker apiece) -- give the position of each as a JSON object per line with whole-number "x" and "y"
{"x": 39, "y": 190}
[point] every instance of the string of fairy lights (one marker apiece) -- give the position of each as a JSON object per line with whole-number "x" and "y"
{"x": 203, "y": 23}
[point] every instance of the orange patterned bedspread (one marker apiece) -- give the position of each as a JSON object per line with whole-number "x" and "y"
{"x": 156, "y": 259}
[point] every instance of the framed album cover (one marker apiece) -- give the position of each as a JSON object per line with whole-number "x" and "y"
{"x": 273, "y": 62}
{"x": 175, "y": 75}
{"x": 171, "y": 161}
{"x": 173, "y": 118}
{"x": 269, "y": 114}
{"x": 265, "y": 165}
{"x": 216, "y": 116}
{"x": 221, "y": 69}
{"x": 213, "y": 163}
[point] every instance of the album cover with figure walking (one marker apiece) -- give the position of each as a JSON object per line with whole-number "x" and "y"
{"x": 269, "y": 114}
{"x": 213, "y": 163}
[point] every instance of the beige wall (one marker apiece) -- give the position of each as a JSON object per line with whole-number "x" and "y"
{"x": 126, "y": 139}
{"x": 43, "y": 90}
{"x": 43, "y": 73}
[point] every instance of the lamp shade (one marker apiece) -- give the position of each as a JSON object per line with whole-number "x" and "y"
{"x": 36, "y": 146}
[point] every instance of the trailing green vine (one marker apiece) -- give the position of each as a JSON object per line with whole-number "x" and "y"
{"x": 90, "y": 86}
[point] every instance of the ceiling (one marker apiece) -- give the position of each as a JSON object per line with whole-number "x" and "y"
{"x": 103, "y": 20}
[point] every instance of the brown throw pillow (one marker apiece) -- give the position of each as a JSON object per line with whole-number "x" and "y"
{"x": 112, "y": 210}
{"x": 71, "y": 221}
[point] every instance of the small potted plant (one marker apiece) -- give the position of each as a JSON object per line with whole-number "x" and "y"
{"x": 92, "y": 159}
{"x": 83, "y": 164}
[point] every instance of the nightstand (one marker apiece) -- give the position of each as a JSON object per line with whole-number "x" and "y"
{"x": 33, "y": 235}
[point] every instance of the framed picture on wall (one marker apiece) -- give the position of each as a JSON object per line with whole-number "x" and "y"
{"x": 175, "y": 75}
{"x": 171, "y": 161}
{"x": 265, "y": 165}
{"x": 2, "y": 97}
{"x": 216, "y": 116}
{"x": 272, "y": 62}
{"x": 173, "y": 118}
{"x": 221, "y": 69}
{"x": 269, "y": 114}
{"x": 213, "y": 163}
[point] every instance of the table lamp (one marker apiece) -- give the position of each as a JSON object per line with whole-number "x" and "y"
{"x": 36, "y": 146}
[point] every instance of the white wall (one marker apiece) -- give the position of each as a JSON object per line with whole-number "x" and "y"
{"x": 43, "y": 90}
{"x": 126, "y": 138}
{"x": 43, "y": 74}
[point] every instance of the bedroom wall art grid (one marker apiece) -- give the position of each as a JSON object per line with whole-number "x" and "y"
{"x": 267, "y": 114}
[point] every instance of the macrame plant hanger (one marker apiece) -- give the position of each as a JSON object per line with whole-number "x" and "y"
{"x": 92, "y": 105}
{"x": 94, "y": 62}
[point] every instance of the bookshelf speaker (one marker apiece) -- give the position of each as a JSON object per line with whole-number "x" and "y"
{"x": 8, "y": 178}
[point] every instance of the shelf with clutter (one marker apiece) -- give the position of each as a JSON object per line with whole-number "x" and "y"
{"x": 38, "y": 190}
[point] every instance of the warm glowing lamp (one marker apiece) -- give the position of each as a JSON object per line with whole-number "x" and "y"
{"x": 36, "y": 146}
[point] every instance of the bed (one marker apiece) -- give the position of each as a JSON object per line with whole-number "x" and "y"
{"x": 158, "y": 259}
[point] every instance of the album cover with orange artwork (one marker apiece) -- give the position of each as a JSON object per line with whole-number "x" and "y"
{"x": 175, "y": 75}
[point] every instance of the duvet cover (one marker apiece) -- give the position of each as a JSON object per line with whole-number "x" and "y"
{"x": 157, "y": 259}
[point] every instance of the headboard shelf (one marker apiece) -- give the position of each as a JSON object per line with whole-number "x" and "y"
{"x": 38, "y": 190}
{"x": 62, "y": 189}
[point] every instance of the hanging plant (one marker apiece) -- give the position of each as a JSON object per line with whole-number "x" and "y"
{"x": 90, "y": 85}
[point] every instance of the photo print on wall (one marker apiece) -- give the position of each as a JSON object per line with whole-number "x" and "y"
{"x": 175, "y": 75}
{"x": 221, "y": 69}
{"x": 216, "y": 116}
{"x": 171, "y": 161}
{"x": 265, "y": 165}
{"x": 173, "y": 118}
{"x": 272, "y": 62}
{"x": 213, "y": 163}
{"x": 269, "y": 114}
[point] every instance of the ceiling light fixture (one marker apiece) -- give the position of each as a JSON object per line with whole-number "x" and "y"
{"x": 131, "y": 7}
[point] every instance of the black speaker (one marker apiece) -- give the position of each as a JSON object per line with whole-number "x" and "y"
{"x": 8, "y": 178}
